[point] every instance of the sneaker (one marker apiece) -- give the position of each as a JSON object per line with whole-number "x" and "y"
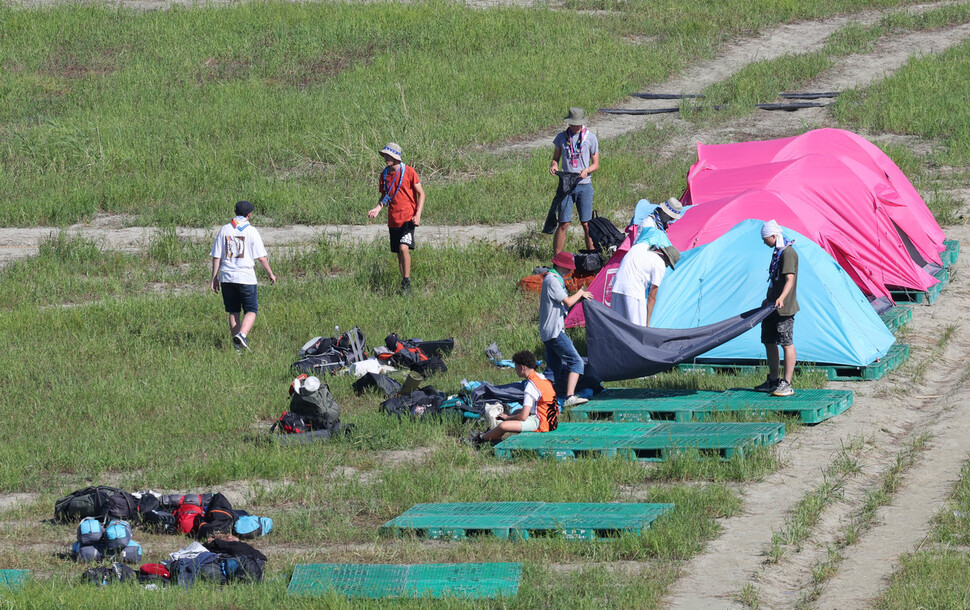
{"x": 406, "y": 284}
{"x": 768, "y": 386}
{"x": 572, "y": 401}
{"x": 783, "y": 389}
{"x": 239, "y": 340}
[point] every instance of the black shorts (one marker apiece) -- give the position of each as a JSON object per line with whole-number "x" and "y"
{"x": 402, "y": 236}
{"x": 778, "y": 330}
{"x": 238, "y": 297}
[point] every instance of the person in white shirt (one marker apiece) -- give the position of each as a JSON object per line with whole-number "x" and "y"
{"x": 237, "y": 248}
{"x": 638, "y": 278}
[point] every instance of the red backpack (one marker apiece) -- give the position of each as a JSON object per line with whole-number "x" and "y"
{"x": 188, "y": 517}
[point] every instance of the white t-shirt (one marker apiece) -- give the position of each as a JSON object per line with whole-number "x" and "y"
{"x": 238, "y": 251}
{"x": 640, "y": 268}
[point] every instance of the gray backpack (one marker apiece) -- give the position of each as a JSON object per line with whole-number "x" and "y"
{"x": 318, "y": 409}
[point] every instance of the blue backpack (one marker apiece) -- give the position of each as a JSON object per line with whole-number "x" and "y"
{"x": 251, "y": 526}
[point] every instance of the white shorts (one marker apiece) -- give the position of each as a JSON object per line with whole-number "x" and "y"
{"x": 531, "y": 424}
{"x": 634, "y": 310}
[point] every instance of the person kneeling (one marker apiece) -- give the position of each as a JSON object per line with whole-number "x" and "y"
{"x": 539, "y": 412}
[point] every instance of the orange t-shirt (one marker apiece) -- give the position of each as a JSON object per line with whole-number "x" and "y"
{"x": 404, "y": 204}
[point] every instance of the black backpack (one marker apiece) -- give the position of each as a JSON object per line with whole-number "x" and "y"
{"x": 117, "y": 572}
{"x": 101, "y": 502}
{"x": 604, "y": 233}
{"x": 218, "y": 519}
{"x": 588, "y": 260}
{"x": 290, "y": 423}
{"x": 388, "y": 385}
{"x": 329, "y": 361}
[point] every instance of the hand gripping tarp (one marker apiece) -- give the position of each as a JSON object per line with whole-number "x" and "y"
{"x": 619, "y": 349}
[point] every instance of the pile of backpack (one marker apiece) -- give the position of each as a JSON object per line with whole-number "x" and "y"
{"x": 313, "y": 413}
{"x": 221, "y": 561}
{"x": 96, "y": 541}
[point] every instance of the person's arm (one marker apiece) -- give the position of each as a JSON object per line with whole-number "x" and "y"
{"x": 594, "y": 164}
{"x": 264, "y": 263}
{"x": 417, "y": 212}
{"x": 216, "y": 263}
{"x": 789, "y": 282}
{"x": 651, "y": 300}
{"x": 556, "y": 155}
{"x": 576, "y": 297}
{"x": 373, "y": 212}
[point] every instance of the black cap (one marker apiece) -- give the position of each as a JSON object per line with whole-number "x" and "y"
{"x": 243, "y": 208}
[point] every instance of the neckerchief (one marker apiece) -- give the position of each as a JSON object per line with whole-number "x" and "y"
{"x": 240, "y": 223}
{"x": 660, "y": 223}
{"x": 575, "y": 151}
{"x": 556, "y": 273}
{"x": 399, "y": 176}
{"x": 776, "y": 259}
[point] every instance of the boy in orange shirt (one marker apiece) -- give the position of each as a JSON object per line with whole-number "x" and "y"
{"x": 400, "y": 191}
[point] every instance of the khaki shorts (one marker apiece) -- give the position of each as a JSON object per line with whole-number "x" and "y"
{"x": 531, "y": 424}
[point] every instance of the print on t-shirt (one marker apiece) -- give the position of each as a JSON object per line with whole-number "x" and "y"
{"x": 235, "y": 246}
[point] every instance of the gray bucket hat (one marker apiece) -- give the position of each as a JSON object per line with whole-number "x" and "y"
{"x": 576, "y": 116}
{"x": 392, "y": 150}
{"x": 672, "y": 254}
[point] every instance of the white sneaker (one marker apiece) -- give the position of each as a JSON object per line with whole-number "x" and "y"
{"x": 572, "y": 401}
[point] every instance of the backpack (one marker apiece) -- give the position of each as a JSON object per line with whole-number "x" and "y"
{"x": 173, "y": 501}
{"x": 187, "y": 516}
{"x": 588, "y": 261}
{"x": 241, "y": 568}
{"x": 318, "y": 409}
{"x": 604, "y": 233}
{"x": 315, "y": 346}
{"x": 204, "y": 566}
{"x": 101, "y": 502}
{"x": 290, "y": 423}
{"x": 429, "y": 366}
{"x": 160, "y": 522}
{"x": 351, "y": 345}
{"x": 389, "y": 386}
{"x": 117, "y": 536}
{"x": 89, "y": 531}
{"x": 251, "y": 526}
{"x": 218, "y": 518}
{"x": 326, "y": 362}
{"x": 117, "y": 572}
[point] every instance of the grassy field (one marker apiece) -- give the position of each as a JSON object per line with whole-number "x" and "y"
{"x": 116, "y": 368}
{"x": 167, "y": 115}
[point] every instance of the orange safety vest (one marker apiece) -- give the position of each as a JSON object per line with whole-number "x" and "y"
{"x": 546, "y": 408}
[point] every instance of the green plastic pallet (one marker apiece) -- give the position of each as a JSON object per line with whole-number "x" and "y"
{"x": 951, "y": 253}
{"x": 524, "y": 520}
{"x": 929, "y": 296}
{"x": 897, "y": 317}
{"x": 644, "y": 442}
{"x": 466, "y": 580}
{"x": 811, "y": 406}
{"x": 642, "y": 405}
{"x": 13, "y": 579}
{"x": 897, "y": 355}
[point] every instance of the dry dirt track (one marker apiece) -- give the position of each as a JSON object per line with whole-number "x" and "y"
{"x": 885, "y": 415}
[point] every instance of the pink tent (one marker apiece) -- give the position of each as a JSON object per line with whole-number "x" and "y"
{"x": 844, "y": 204}
{"x": 890, "y": 187}
{"x": 602, "y": 286}
{"x": 705, "y": 223}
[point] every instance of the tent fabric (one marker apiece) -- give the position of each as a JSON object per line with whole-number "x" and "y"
{"x": 829, "y": 197}
{"x": 835, "y": 325}
{"x": 602, "y": 285}
{"x": 619, "y": 349}
{"x": 893, "y": 192}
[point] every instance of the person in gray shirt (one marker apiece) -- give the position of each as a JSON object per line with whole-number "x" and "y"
{"x": 578, "y": 149}
{"x": 554, "y": 304}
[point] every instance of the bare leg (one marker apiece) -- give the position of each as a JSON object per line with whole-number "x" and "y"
{"x": 513, "y": 426}
{"x": 589, "y": 240}
{"x": 571, "y": 380}
{"x": 771, "y": 350}
{"x": 234, "y": 323}
{"x": 404, "y": 261}
{"x": 247, "y": 323}
{"x": 789, "y": 362}
{"x": 559, "y": 238}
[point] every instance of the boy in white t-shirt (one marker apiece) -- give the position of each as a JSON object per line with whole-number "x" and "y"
{"x": 237, "y": 248}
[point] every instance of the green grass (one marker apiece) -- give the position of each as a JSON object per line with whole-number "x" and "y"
{"x": 171, "y": 115}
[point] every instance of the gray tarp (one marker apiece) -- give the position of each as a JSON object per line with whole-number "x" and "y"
{"x": 619, "y": 349}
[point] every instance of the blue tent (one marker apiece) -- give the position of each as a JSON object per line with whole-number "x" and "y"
{"x": 835, "y": 324}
